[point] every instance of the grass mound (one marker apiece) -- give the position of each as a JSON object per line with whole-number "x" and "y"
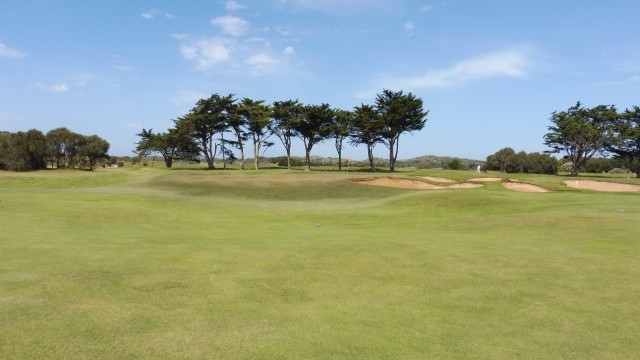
{"x": 189, "y": 264}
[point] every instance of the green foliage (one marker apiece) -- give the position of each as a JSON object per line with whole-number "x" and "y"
{"x": 457, "y": 164}
{"x": 581, "y": 132}
{"x": 399, "y": 113}
{"x": 507, "y": 160}
{"x": 151, "y": 264}
{"x": 626, "y": 144}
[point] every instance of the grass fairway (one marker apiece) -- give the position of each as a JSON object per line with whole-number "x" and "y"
{"x": 189, "y": 264}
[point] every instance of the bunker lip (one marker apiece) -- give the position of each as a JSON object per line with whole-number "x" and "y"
{"x": 602, "y": 186}
{"x": 522, "y": 187}
{"x": 411, "y": 184}
{"x": 485, "y": 179}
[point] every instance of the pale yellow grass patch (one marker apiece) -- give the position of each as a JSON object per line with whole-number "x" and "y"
{"x": 485, "y": 179}
{"x": 438, "y": 179}
{"x": 525, "y": 187}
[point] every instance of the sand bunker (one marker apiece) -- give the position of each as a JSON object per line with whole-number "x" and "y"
{"x": 412, "y": 184}
{"x": 485, "y": 179}
{"x": 602, "y": 186}
{"x": 438, "y": 179}
{"x": 522, "y": 187}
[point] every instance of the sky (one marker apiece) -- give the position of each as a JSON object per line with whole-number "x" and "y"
{"x": 490, "y": 72}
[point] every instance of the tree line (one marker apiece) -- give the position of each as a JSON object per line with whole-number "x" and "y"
{"x": 218, "y": 124}
{"x": 582, "y": 132}
{"x": 59, "y": 148}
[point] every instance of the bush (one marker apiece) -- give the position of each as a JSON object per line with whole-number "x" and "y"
{"x": 120, "y": 164}
{"x": 618, "y": 171}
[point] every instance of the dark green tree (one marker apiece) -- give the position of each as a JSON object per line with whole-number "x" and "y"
{"x": 257, "y": 119}
{"x": 285, "y": 116}
{"x": 340, "y": 131}
{"x": 365, "y": 129}
{"x": 174, "y": 144}
{"x": 626, "y": 144}
{"x": 237, "y": 123}
{"x": 314, "y": 126}
{"x": 399, "y": 113}
{"x": 206, "y": 120}
{"x": 94, "y": 149}
{"x": 581, "y": 133}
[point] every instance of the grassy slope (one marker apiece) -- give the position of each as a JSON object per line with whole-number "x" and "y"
{"x": 192, "y": 264}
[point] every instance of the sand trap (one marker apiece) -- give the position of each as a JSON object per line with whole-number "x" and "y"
{"x": 485, "y": 179}
{"x": 602, "y": 186}
{"x": 518, "y": 186}
{"x": 412, "y": 184}
{"x": 438, "y": 179}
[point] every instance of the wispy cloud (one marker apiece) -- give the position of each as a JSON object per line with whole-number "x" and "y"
{"x": 231, "y": 25}
{"x": 289, "y": 51}
{"x": 207, "y": 52}
{"x": 408, "y": 27}
{"x": 234, "y": 6}
{"x": 426, "y": 8}
{"x": 515, "y": 62}
{"x": 11, "y": 53}
{"x": 151, "y": 14}
{"x": 57, "y": 88}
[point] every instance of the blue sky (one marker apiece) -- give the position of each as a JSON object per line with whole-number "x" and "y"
{"x": 490, "y": 72}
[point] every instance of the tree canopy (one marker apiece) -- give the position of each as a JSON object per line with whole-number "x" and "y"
{"x": 581, "y": 132}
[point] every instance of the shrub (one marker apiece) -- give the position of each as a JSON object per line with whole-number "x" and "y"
{"x": 618, "y": 171}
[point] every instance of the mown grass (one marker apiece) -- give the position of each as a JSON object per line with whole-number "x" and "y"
{"x": 278, "y": 264}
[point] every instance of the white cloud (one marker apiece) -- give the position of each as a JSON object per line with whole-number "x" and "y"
{"x": 261, "y": 64}
{"x": 11, "y": 53}
{"x": 234, "y": 6}
{"x": 408, "y": 27}
{"x": 289, "y": 51}
{"x": 169, "y": 16}
{"x": 207, "y": 52}
{"x": 514, "y": 62}
{"x": 231, "y": 25}
{"x": 58, "y": 88}
{"x": 426, "y": 8}
{"x": 151, "y": 14}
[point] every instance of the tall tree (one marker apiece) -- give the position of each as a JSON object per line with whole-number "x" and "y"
{"x": 23, "y": 151}
{"x": 627, "y": 141}
{"x": 237, "y": 123}
{"x": 285, "y": 115}
{"x": 314, "y": 127}
{"x": 581, "y": 133}
{"x": 94, "y": 149}
{"x": 56, "y": 141}
{"x": 503, "y": 160}
{"x": 399, "y": 113}
{"x": 207, "y": 119}
{"x": 257, "y": 119}
{"x": 340, "y": 131}
{"x": 365, "y": 129}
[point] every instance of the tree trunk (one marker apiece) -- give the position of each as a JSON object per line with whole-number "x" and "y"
{"x": 256, "y": 154}
{"x": 372, "y": 165}
{"x": 168, "y": 161}
{"x": 289, "y": 157}
{"x": 339, "y": 148}
{"x": 307, "y": 158}
{"x": 392, "y": 160}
